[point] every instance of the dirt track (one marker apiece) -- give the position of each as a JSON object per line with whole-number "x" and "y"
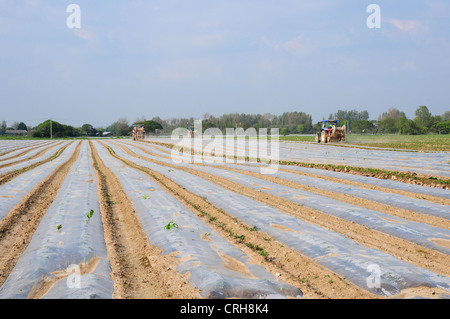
{"x": 141, "y": 269}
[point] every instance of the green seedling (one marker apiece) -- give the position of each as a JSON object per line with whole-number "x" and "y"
{"x": 170, "y": 225}
{"x": 89, "y": 215}
{"x": 254, "y": 228}
{"x": 144, "y": 196}
{"x": 59, "y": 227}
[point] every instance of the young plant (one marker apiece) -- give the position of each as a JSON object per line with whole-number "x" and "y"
{"x": 170, "y": 225}
{"x": 89, "y": 215}
{"x": 59, "y": 227}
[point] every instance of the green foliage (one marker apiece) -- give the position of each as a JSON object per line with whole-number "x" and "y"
{"x": 53, "y": 129}
{"x": 90, "y": 214}
{"x": 171, "y": 225}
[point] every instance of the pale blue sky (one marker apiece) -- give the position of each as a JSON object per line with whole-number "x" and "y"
{"x": 185, "y": 58}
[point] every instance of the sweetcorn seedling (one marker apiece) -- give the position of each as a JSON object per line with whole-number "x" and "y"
{"x": 59, "y": 227}
{"x": 170, "y": 225}
{"x": 89, "y": 215}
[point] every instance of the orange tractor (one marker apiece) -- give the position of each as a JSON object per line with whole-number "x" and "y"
{"x": 138, "y": 132}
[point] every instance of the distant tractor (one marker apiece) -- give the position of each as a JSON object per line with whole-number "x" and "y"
{"x": 330, "y": 132}
{"x": 138, "y": 132}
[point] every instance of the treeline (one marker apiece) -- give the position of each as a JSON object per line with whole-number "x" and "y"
{"x": 393, "y": 121}
{"x": 293, "y": 122}
{"x": 51, "y": 128}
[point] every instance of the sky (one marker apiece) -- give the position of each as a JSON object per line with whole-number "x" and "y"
{"x": 183, "y": 58}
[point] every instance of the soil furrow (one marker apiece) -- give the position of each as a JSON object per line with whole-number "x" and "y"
{"x": 402, "y": 249}
{"x": 296, "y": 269}
{"x": 403, "y": 177}
{"x": 11, "y": 175}
{"x": 434, "y": 199}
{"x": 353, "y": 200}
{"x": 28, "y": 149}
{"x": 139, "y": 270}
{"x": 37, "y": 155}
{"x": 18, "y": 227}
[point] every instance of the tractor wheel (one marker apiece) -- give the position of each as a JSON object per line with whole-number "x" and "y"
{"x": 323, "y": 137}
{"x": 317, "y": 138}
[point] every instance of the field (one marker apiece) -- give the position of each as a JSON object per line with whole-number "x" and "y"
{"x": 113, "y": 218}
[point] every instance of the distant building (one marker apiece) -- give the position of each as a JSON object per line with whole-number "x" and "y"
{"x": 17, "y": 132}
{"x": 107, "y": 134}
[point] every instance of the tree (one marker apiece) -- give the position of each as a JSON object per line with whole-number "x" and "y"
{"x": 442, "y": 127}
{"x": 123, "y": 127}
{"x": 3, "y": 127}
{"x": 392, "y": 113}
{"x": 423, "y": 118}
{"x": 22, "y": 126}
{"x": 284, "y": 131}
{"x": 88, "y": 130}
{"x": 446, "y": 116}
{"x": 363, "y": 126}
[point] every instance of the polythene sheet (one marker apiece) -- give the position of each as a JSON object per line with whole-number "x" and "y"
{"x": 419, "y": 189}
{"x": 433, "y": 163}
{"x": 12, "y": 192}
{"x": 11, "y": 145}
{"x": 396, "y": 200}
{"x": 20, "y": 149}
{"x": 419, "y": 233}
{"x": 26, "y": 163}
{"x": 202, "y": 252}
{"x": 338, "y": 253}
{"x": 78, "y": 241}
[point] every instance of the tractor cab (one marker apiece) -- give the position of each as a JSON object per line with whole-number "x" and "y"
{"x": 328, "y": 124}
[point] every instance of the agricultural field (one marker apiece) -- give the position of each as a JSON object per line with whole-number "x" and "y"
{"x": 115, "y": 218}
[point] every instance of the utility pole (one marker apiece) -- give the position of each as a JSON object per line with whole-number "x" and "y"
{"x": 51, "y": 129}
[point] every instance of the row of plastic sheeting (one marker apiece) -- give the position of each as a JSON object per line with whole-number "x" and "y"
{"x": 432, "y": 163}
{"x": 390, "y": 184}
{"x": 12, "y": 192}
{"x": 66, "y": 257}
{"x": 368, "y": 268}
{"x": 216, "y": 267}
{"x": 11, "y": 145}
{"x": 48, "y": 153}
{"x": 12, "y": 150}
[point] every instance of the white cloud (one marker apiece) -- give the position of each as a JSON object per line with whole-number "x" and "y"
{"x": 405, "y": 25}
{"x": 299, "y": 45}
{"x": 82, "y": 34}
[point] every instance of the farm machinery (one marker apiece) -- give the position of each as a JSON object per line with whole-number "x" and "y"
{"x": 138, "y": 132}
{"x": 330, "y": 132}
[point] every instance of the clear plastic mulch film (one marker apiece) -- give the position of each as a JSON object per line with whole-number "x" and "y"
{"x": 433, "y": 191}
{"x": 216, "y": 267}
{"x": 319, "y": 202}
{"x": 432, "y": 163}
{"x": 12, "y": 192}
{"x": 26, "y": 163}
{"x": 16, "y": 149}
{"x": 368, "y": 268}
{"x": 66, "y": 257}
